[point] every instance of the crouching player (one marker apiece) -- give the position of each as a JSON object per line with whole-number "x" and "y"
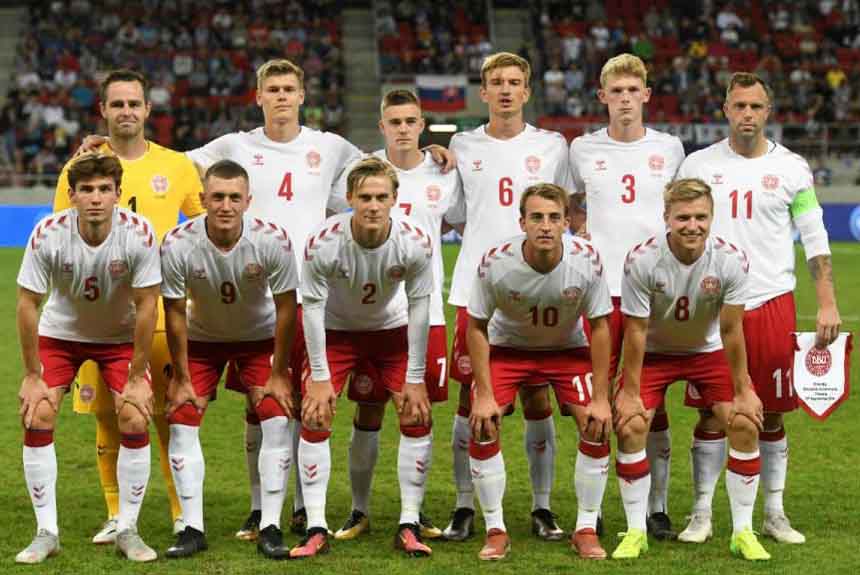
{"x": 239, "y": 277}
{"x": 524, "y": 329}
{"x": 367, "y": 275}
{"x": 99, "y": 265}
{"x": 683, "y": 298}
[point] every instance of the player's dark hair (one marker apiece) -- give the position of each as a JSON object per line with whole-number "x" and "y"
{"x": 95, "y": 165}
{"x": 748, "y": 80}
{"x": 123, "y": 75}
{"x": 398, "y": 98}
{"x": 368, "y": 168}
{"x": 546, "y": 191}
{"x": 226, "y": 170}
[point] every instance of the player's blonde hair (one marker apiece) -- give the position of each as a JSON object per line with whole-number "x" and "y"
{"x": 368, "y": 168}
{"x": 748, "y": 80}
{"x": 279, "y": 67}
{"x": 686, "y": 190}
{"x": 546, "y": 191}
{"x": 398, "y": 97}
{"x": 505, "y": 60}
{"x": 95, "y": 165}
{"x": 623, "y": 65}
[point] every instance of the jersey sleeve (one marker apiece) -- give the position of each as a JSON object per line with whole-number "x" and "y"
{"x": 577, "y": 183}
{"x": 147, "y": 264}
{"x": 563, "y": 177}
{"x": 217, "y": 149}
{"x": 635, "y": 292}
{"x": 456, "y": 212}
{"x": 677, "y": 155}
{"x": 598, "y": 301}
{"x": 687, "y": 168}
{"x": 172, "y": 272}
{"x": 419, "y": 280}
{"x": 347, "y": 156}
{"x": 35, "y": 273}
{"x": 191, "y": 205}
{"x": 482, "y": 301}
{"x": 61, "y": 195}
{"x": 314, "y": 281}
{"x": 283, "y": 276}
{"x": 736, "y": 271}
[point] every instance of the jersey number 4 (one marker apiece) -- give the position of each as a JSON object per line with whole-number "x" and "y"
{"x": 286, "y": 189}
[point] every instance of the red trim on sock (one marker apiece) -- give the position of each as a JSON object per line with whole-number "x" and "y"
{"x": 415, "y": 430}
{"x": 312, "y": 436}
{"x": 660, "y": 422}
{"x": 484, "y": 450}
{"x": 594, "y": 451}
{"x": 38, "y": 437}
{"x": 777, "y": 435}
{"x": 269, "y": 408}
{"x": 134, "y": 440}
{"x": 463, "y": 411}
{"x": 186, "y": 414}
{"x": 539, "y": 415}
{"x": 748, "y": 467}
{"x": 631, "y": 471}
{"x": 251, "y": 417}
{"x": 708, "y": 435}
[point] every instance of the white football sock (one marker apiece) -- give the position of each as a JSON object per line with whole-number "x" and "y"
{"x": 414, "y": 457}
{"x": 274, "y": 465}
{"x": 634, "y": 491}
{"x": 742, "y": 492}
{"x": 132, "y": 474}
{"x": 295, "y": 434}
{"x": 460, "y": 438}
{"x": 40, "y": 473}
{"x": 253, "y": 438}
{"x": 189, "y": 471}
{"x": 315, "y": 468}
{"x": 589, "y": 479}
{"x": 363, "y": 453}
{"x": 659, "y": 449}
{"x": 539, "y": 440}
{"x": 709, "y": 459}
{"x": 774, "y": 468}
{"x": 489, "y": 480}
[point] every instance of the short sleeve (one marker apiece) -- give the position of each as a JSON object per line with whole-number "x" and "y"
{"x": 736, "y": 271}
{"x": 61, "y": 195}
{"x": 578, "y": 184}
{"x": 419, "y": 280}
{"x": 456, "y": 212}
{"x": 147, "y": 263}
{"x": 314, "y": 282}
{"x": 217, "y": 149}
{"x": 482, "y": 301}
{"x": 562, "y": 176}
{"x": 191, "y": 205}
{"x": 347, "y": 156}
{"x": 283, "y": 276}
{"x": 598, "y": 301}
{"x": 635, "y": 293}
{"x": 35, "y": 273}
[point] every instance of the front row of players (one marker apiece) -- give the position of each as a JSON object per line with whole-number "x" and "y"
{"x": 229, "y": 283}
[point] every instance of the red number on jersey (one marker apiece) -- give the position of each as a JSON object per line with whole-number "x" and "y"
{"x": 682, "y": 308}
{"x": 506, "y": 191}
{"x": 286, "y": 189}
{"x": 735, "y": 196}
{"x": 91, "y": 288}
{"x": 630, "y": 185}
{"x": 228, "y": 292}
{"x": 407, "y": 208}
{"x": 550, "y": 316}
{"x": 369, "y": 293}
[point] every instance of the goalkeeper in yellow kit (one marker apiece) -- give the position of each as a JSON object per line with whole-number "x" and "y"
{"x": 158, "y": 183}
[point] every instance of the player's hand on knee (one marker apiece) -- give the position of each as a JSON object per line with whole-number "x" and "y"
{"x": 485, "y": 418}
{"x": 33, "y": 391}
{"x": 627, "y": 406}
{"x": 598, "y": 422}
{"x": 179, "y": 392}
{"x": 138, "y": 392}
{"x": 318, "y": 404}
{"x": 747, "y": 404}
{"x": 279, "y": 387}
{"x": 415, "y": 404}
{"x": 91, "y": 143}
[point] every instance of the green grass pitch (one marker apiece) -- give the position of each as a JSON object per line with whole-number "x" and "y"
{"x": 821, "y": 496}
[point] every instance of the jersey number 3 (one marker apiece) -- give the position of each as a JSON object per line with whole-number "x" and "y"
{"x": 629, "y": 195}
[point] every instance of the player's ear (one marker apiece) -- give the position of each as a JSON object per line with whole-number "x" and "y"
{"x": 522, "y": 223}
{"x": 381, "y": 127}
{"x": 646, "y": 95}
{"x": 203, "y": 198}
{"x": 601, "y": 95}
{"x": 527, "y": 94}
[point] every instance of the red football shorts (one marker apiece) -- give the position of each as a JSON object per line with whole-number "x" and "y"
{"x": 709, "y": 371}
{"x": 297, "y": 361}
{"x": 252, "y": 361}
{"x": 435, "y": 374}
{"x": 461, "y": 363}
{"x": 385, "y": 351}
{"x": 568, "y": 371}
{"x": 770, "y": 355}
{"x": 61, "y": 359}
{"x": 616, "y": 333}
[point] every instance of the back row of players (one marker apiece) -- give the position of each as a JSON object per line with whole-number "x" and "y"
{"x": 522, "y": 307}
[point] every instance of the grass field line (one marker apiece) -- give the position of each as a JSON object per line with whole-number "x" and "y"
{"x": 845, "y": 318}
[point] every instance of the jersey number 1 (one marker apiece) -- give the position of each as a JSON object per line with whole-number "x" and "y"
{"x": 286, "y": 189}
{"x": 747, "y": 200}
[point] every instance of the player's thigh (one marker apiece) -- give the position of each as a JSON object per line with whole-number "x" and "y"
{"x": 461, "y": 362}
{"x": 436, "y": 372}
{"x": 89, "y": 392}
{"x": 160, "y": 369}
{"x": 770, "y": 352}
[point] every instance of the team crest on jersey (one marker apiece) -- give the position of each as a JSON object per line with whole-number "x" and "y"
{"x": 770, "y": 182}
{"x": 656, "y": 162}
{"x": 477, "y": 165}
{"x": 363, "y": 384}
{"x": 818, "y": 361}
{"x": 258, "y": 160}
{"x": 717, "y": 179}
{"x": 117, "y": 269}
{"x": 313, "y": 159}
{"x": 253, "y": 272}
{"x": 68, "y": 268}
{"x": 600, "y": 166}
{"x": 571, "y": 295}
{"x": 159, "y": 185}
{"x": 533, "y": 164}
{"x": 199, "y": 274}
{"x": 433, "y": 193}
{"x": 396, "y": 273}
{"x": 710, "y": 285}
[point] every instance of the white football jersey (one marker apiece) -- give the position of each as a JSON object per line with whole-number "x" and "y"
{"x": 90, "y": 287}
{"x": 494, "y": 174}
{"x": 425, "y": 195}
{"x": 229, "y": 294}
{"x": 682, "y": 301}
{"x": 752, "y": 198}
{"x": 293, "y": 183}
{"x": 364, "y": 289}
{"x": 532, "y": 310}
{"x": 623, "y": 184}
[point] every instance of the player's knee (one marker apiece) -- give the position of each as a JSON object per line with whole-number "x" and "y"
{"x": 743, "y": 428}
{"x": 632, "y": 430}
{"x": 773, "y": 421}
{"x": 312, "y": 435}
{"x": 269, "y": 408}
{"x": 709, "y": 422}
{"x": 186, "y": 414}
{"x": 415, "y": 430}
{"x": 369, "y": 415}
{"x": 44, "y": 416}
{"x": 661, "y": 420}
{"x": 130, "y": 419}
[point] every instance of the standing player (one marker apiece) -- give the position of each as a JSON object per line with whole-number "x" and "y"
{"x": 157, "y": 183}
{"x": 761, "y": 191}
{"x": 497, "y": 161}
{"x": 367, "y": 282}
{"x": 620, "y": 172}
{"x": 525, "y": 328}
{"x": 424, "y": 194}
{"x": 293, "y": 170}
{"x": 230, "y": 295}
{"x": 683, "y": 297}
{"x": 99, "y": 265}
